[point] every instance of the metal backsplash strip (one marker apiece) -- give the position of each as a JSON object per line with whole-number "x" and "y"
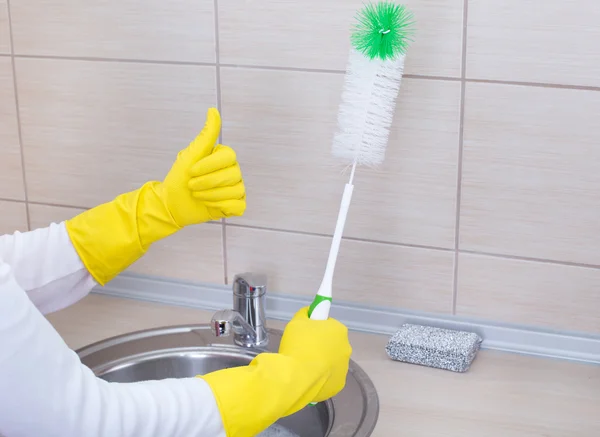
{"x": 527, "y": 340}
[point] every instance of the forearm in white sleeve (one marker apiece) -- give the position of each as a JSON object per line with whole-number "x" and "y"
{"x": 45, "y": 391}
{"x": 46, "y": 265}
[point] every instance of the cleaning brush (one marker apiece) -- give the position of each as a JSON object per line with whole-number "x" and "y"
{"x": 373, "y": 76}
{"x": 372, "y": 82}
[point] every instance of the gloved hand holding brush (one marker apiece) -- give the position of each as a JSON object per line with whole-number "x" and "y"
{"x": 205, "y": 183}
{"x": 312, "y": 365}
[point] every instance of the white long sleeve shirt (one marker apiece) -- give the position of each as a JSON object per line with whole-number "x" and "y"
{"x": 45, "y": 391}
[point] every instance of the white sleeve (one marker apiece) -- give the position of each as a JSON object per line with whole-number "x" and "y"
{"x": 46, "y": 265}
{"x": 46, "y": 391}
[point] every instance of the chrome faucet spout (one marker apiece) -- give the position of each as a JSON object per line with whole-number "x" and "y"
{"x": 224, "y": 322}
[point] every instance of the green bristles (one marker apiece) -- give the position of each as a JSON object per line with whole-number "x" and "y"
{"x": 383, "y": 30}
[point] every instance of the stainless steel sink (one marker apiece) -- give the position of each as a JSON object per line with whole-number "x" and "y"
{"x": 185, "y": 351}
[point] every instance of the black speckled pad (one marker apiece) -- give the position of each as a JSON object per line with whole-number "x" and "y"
{"x": 434, "y": 347}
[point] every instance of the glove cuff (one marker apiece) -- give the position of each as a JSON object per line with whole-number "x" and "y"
{"x": 155, "y": 221}
{"x": 112, "y": 236}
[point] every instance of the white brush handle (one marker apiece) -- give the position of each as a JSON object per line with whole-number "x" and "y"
{"x": 321, "y": 305}
{"x": 319, "y": 310}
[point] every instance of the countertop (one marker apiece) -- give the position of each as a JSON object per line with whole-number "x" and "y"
{"x": 502, "y": 395}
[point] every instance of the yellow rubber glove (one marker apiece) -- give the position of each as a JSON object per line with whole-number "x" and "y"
{"x": 311, "y": 366}
{"x": 204, "y": 184}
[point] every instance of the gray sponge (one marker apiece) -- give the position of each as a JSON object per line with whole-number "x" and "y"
{"x": 434, "y": 347}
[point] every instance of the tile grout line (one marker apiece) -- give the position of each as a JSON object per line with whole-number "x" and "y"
{"x": 276, "y": 68}
{"x": 220, "y": 107}
{"x": 305, "y": 70}
{"x": 116, "y": 60}
{"x": 535, "y": 84}
{"x": 224, "y": 249}
{"x": 461, "y": 136}
{"x": 18, "y": 113}
{"x": 403, "y": 245}
{"x": 530, "y": 259}
{"x": 345, "y": 238}
{"x": 210, "y": 64}
{"x": 55, "y": 205}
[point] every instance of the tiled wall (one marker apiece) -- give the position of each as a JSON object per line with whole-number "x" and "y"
{"x": 488, "y": 204}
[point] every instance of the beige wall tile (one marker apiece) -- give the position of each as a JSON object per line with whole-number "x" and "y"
{"x": 530, "y": 174}
{"x": 533, "y": 41}
{"x": 282, "y": 124}
{"x": 11, "y": 170}
{"x": 92, "y": 130}
{"x": 4, "y": 28}
{"x": 193, "y": 254}
{"x": 529, "y": 293}
{"x": 371, "y": 273}
{"x": 13, "y": 217}
{"x": 128, "y": 29}
{"x": 316, "y": 34}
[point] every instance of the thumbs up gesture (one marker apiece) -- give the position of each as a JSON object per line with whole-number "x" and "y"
{"x": 205, "y": 182}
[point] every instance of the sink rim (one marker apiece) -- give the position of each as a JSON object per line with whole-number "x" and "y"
{"x": 97, "y": 356}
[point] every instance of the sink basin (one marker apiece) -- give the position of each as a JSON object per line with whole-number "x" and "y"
{"x": 185, "y": 351}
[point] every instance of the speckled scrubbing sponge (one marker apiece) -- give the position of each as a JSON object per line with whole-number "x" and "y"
{"x": 434, "y": 347}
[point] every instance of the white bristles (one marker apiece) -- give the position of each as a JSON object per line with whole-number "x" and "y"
{"x": 367, "y": 109}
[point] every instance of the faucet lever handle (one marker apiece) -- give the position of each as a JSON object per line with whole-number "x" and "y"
{"x": 250, "y": 284}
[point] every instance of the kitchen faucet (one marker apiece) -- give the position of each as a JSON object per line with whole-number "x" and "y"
{"x": 247, "y": 320}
